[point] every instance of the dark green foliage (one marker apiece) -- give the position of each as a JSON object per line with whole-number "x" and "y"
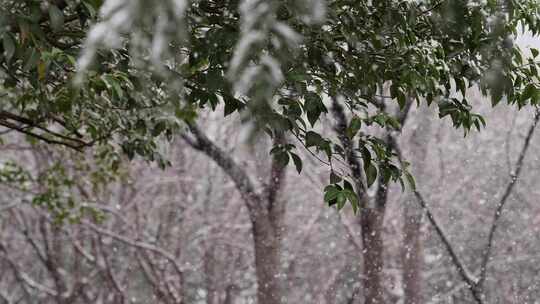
{"x": 430, "y": 51}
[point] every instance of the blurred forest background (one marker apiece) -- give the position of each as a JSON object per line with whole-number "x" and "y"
{"x": 225, "y": 223}
{"x": 186, "y": 231}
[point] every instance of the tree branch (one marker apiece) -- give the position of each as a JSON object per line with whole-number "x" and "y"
{"x": 137, "y": 244}
{"x": 24, "y": 277}
{"x": 476, "y": 285}
{"x": 276, "y": 208}
{"x": 38, "y": 136}
{"x": 467, "y": 276}
{"x": 241, "y": 180}
{"x": 7, "y": 120}
{"x": 463, "y": 271}
{"x": 500, "y": 205}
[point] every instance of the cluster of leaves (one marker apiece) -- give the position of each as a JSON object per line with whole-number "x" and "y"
{"x": 431, "y": 51}
{"x": 55, "y": 195}
{"x": 11, "y": 173}
{"x": 269, "y": 60}
{"x": 52, "y": 190}
{"x": 41, "y": 41}
{"x": 69, "y": 188}
{"x": 338, "y": 195}
{"x": 284, "y": 153}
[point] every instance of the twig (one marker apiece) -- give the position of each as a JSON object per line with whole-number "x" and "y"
{"x": 463, "y": 271}
{"x": 475, "y": 285}
{"x": 38, "y": 136}
{"x": 137, "y": 244}
{"x": 8, "y": 207}
{"x": 24, "y": 277}
{"x": 500, "y": 206}
{"x": 434, "y": 7}
{"x": 7, "y": 120}
{"x": 109, "y": 271}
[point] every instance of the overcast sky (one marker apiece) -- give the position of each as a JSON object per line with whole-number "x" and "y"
{"x": 528, "y": 41}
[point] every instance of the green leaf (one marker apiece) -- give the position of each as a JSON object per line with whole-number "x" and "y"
{"x": 313, "y": 107}
{"x": 214, "y": 80}
{"x": 92, "y": 6}
{"x": 159, "y": 128}
{"x": 9, "y": 47}
{"x": 42, "y": 70}
{"x": 231, "y": 104}
{"x": 313, "y": 139}
{"x": 57, "y": 18}
{"x": 354, "y": 127}
{"x": 282, "y": 159}
{"x": 347, "y": 185}
{"x": 534, "y": 52}
{"x": 330, "y": 193}
{"x": 297, "y": 162}
{"x": 325, "y": 146}
{"x": 529, "y": 92}
{"x": 334, "y": 178}
{"x": 213, "y": 100}
{"x": 371, "y": 174}
{"x": 496, "y": 96}
{"x": 460, "y": 83}
{"x": 410, "y": 180}
{"x": 341, "y": 199}
{"x": 402, "y": 99}
{"x": 32, "y": 59}
{"x": 117, "y": 89}
{"x": 366, "y": 155}
{"x": 353, "y": 199}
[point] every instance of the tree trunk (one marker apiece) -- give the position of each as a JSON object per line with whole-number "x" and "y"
{"x": 412, "y": 253}
{"x": 267, "y": 262}
{"x": 209, "y": 263}
{"x": 230, "y": 294}
{"x": 265, "y": 210}
{"x": 371, "y": 217}
{"x": 371, "y": 220}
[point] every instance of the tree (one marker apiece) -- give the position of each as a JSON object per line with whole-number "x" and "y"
{"x": 475, "y": 284}
{"x": 265, "y": 209}
{"x": 279, "y": 63}
{"x": 155, "y": 78}
{"x": 425, "y": 50}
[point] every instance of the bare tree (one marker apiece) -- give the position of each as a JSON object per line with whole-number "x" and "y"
{"x": 476, "y": 283}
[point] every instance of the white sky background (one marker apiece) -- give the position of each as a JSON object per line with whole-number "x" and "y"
{"x": 527, "y": 40}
